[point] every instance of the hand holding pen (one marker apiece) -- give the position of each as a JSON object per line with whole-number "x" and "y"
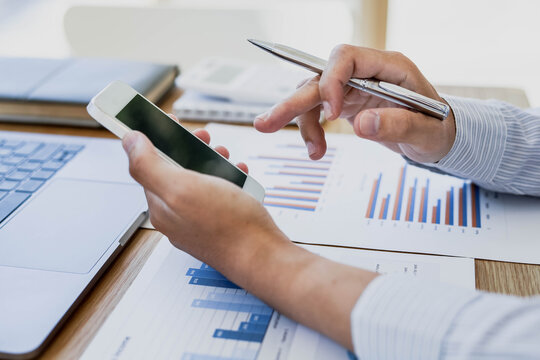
{"x": 419, "y": 136}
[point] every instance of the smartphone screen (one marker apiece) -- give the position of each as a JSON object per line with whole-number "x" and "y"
{"x": 175, "y": 141}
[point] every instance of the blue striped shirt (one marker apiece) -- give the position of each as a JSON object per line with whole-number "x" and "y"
{"x": 497, "y": 146}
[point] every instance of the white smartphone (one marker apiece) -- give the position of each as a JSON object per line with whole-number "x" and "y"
{"x": 120, "y": 108}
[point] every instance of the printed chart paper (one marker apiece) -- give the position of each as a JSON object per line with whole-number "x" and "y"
{"x": 180, "y": 308}
{"x": 363, "y": 195}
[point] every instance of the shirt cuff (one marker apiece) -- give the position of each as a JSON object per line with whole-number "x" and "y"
{"x": 480, "y": 139}
{"x": 399, "y": 317}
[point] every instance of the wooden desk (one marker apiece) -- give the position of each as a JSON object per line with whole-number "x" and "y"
{"x": 74, "y": 337}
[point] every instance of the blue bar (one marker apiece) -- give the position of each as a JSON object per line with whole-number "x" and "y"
{"x": 424, "y": 215}
{"x": 213, "y": 282}
{"x": 464, "y": 202}
{"x": 206, "y": 267}
{"x": 289, "y": 207}
{"x": 477, "y": 200}
{"x": 238, "y": 335}
{"x": 413, "y": 199}
{"x": 207, "y": 274}
{"x": 193, "y": 356}
{"x": 438, "y": 218}
{"x": 259, "y": 318}
{"x": 386, "y": 207}
{"x": 220, "y": 305}
{"x": 240, "y": 353}
{"x": 401, "y": 188}
{"x": 252, "y": 327}
{"x": 236, "y": 298}
{"x": 286, "y": 173}
{"x": 278, "y": 188}
{"x": 372, "y": 211}
{"x": 350, "y": 356}
{"x": 451, "y": 217}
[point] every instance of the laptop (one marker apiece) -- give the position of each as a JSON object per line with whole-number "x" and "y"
{"x": 67, "y": 207}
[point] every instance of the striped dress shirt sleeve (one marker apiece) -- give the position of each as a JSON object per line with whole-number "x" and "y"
{"x": 398, "y": 317}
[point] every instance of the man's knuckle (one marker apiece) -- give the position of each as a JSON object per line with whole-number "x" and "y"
{"x": 342, "y": 50}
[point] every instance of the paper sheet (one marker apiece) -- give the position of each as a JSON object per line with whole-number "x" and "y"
{"x": 363, "y": 195}
{"x": 179, "y": 308}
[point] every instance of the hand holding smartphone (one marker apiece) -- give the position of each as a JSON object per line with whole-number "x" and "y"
{"x": 119, "y": 108}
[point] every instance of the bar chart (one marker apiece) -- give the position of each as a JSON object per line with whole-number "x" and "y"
{"x": 420, "y": 203}
{"x": 361, "y": 194}
{"x": 293, "y": 181}
{"x": 256, "y": 314}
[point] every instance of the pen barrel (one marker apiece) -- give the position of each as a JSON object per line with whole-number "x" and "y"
{"x": 401, "y": 96}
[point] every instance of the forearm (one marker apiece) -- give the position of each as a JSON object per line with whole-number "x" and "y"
{"x": 305, "y": 287}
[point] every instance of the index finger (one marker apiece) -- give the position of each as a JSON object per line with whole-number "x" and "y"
{"x": 304, "y": 99}
{"x": 348, "y": 61}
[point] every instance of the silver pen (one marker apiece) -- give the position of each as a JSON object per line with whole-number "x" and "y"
{"x": 382, "y": 89}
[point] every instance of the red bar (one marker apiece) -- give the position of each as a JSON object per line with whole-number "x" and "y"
{"x": 409, "y": 203}
{"x": 398, "y": 194}
{"x": 473, "y": 204}
{"x": 460, "y": 219}
{"x": 447, "y": 217}
{"x": 434, "y": 215}
{"x": 420, "y": 217}
{"x": 297, "y": 189}
{"x": 288, "y": 204}
{"x": 381, "y": 212}
{"x": 368, "y": 211}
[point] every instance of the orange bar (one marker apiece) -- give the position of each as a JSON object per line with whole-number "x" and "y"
{"x": 447, "y": 217}
{"x": 368, "y": 211}
{"x": 398, "y": 194}
{"x": 434, "y": 215}
{"x": 409, "y": 203}
{"x": 473, "y": 204}
{"x": 460, "y": 220}
{"x": 289, "y": 196}
{"x": 381, "y": 212}
{"x": 420, "y": 217}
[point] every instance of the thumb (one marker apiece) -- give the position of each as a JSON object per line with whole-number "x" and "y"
{"x": 401, "y": 126}
{"x": 146, "y": 166}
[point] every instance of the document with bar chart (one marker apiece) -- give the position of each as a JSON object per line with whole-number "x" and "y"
{"x": 180, "y": 308}
{"x": 363, "y": 195}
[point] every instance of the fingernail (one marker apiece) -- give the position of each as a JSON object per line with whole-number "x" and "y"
{"x": 369, "y": 123}
{"x": 311, "y": 148}
{"x": 327, "y": 109}
{"x": 263, "y": 116}
{"x": 129, "y": 141}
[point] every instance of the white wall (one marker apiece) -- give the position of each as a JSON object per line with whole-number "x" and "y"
{"x": 474, "y": 42}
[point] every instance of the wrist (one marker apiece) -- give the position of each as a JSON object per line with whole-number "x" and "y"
{"x": 449, "y": 128}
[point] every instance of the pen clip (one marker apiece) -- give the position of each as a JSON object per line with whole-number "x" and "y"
{"x": 405, "y": 94}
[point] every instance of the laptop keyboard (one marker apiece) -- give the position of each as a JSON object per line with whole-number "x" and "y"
{"x": 25, "y": 166}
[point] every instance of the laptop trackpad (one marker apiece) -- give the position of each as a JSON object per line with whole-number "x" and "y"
{"x": 69, "y": 225}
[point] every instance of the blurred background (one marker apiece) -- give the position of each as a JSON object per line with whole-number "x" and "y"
{"x": 459, "y": 42}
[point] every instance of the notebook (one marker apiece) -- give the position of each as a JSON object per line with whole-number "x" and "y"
{"x": 56, "y": 91}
